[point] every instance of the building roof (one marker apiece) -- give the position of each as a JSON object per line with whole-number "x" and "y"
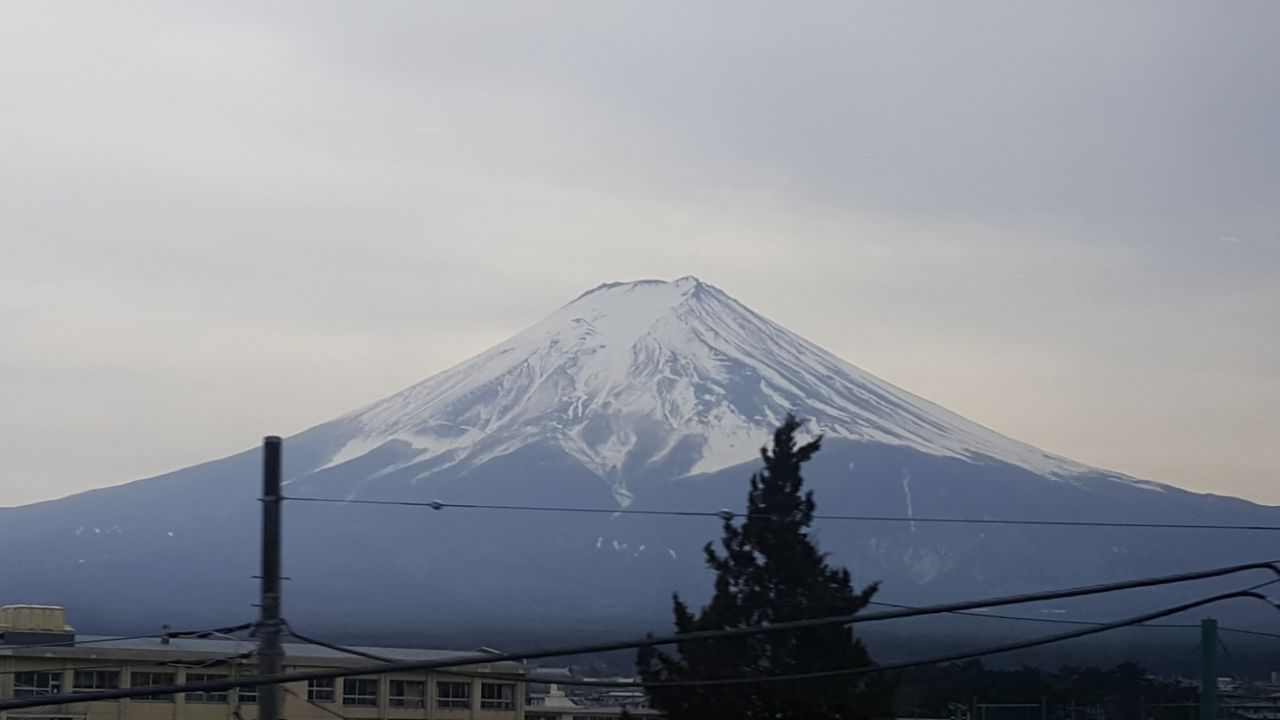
{"x": 102, "y": 646}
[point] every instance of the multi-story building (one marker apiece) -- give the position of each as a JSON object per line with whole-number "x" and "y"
{"x": 88, "y": 663}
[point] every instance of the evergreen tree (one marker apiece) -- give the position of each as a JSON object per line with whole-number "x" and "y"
{"x": 769, "y": 570}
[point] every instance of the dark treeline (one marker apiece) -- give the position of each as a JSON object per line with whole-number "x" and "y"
{"x": 1123, "y": 692}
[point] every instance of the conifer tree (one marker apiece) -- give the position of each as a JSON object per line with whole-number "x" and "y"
{"x": 769, "y": 570}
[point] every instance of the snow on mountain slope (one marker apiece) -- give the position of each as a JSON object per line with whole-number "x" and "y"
{"x": 649, "y": 371}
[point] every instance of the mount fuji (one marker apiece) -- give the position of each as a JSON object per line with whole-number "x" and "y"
{"x": 646, "y": 395}
{"x": 677, "y": 373}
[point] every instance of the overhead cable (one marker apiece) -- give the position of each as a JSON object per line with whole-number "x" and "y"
{"x": 655, "y": 641}
{"x": 1068, "y": 621}
{"x": 731, "y": 515}
{"x": 967, "y": 655}
{"x": 1095, "y": 629}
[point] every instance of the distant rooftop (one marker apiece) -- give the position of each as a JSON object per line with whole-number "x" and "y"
{"x": 110, "y": 646}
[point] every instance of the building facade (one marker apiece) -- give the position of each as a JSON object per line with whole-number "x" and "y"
{"x": 89, "y": 663}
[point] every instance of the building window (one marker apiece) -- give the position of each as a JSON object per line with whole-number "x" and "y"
{"x": 497, "y": 696}
{"x": 96, "y": 680}
{"x": 146, "y": 678}
{"x": 247, "y": 695}
{"x": 453, "y": 694}
{"x": 219, "y": 696}
{"x": 320, "y": 690}
{"x": 360, "y": 691}
{"x": 30, "y": 684}
{"x": 407, "y": 694}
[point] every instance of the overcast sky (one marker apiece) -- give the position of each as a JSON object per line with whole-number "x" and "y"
{"x": 225, "y": 220}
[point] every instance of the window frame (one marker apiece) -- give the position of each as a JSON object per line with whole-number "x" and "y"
{"x": 348, "y": 696}
{"x": 316, "y": 688}
{"x": 403, "y": 700}
{"x": 169, "y": 676}
{"x": 217, "y": 697}
{"x": 53, "y": 686}
{"x": 498, "y": 703}
{"x": 447, "y": 701}
{"x": 78, "y": 686}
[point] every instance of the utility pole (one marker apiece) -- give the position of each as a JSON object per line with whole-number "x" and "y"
{"x": 270, "y": 655}
{"x": 1208, "y": 669}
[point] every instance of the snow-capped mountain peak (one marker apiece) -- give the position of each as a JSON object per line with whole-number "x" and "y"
{"x": 652, "y": 371}
{"x": 639, "y": 385}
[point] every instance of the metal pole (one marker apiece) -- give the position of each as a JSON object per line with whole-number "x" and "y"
{"x": 1208, "y": 669}
{"x": 270, "y": 655}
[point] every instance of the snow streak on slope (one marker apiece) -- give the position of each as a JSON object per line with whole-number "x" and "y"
{"x": 679, "y": 372}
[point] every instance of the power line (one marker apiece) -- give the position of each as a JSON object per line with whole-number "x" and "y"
{"x": 1231, "y": 661}
{"x": 310, "y": 640}
{"x": 698, "y": 636}
{"x": 956, "y": 657}
{"x": 953, "y": 657}
{"x": 730, "y": 515}
{"x": 929, "y": 610}
{"x": 1243, "y": 631}
{"x": 1066, "y": 621}
{"x": 333, "y": 646}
